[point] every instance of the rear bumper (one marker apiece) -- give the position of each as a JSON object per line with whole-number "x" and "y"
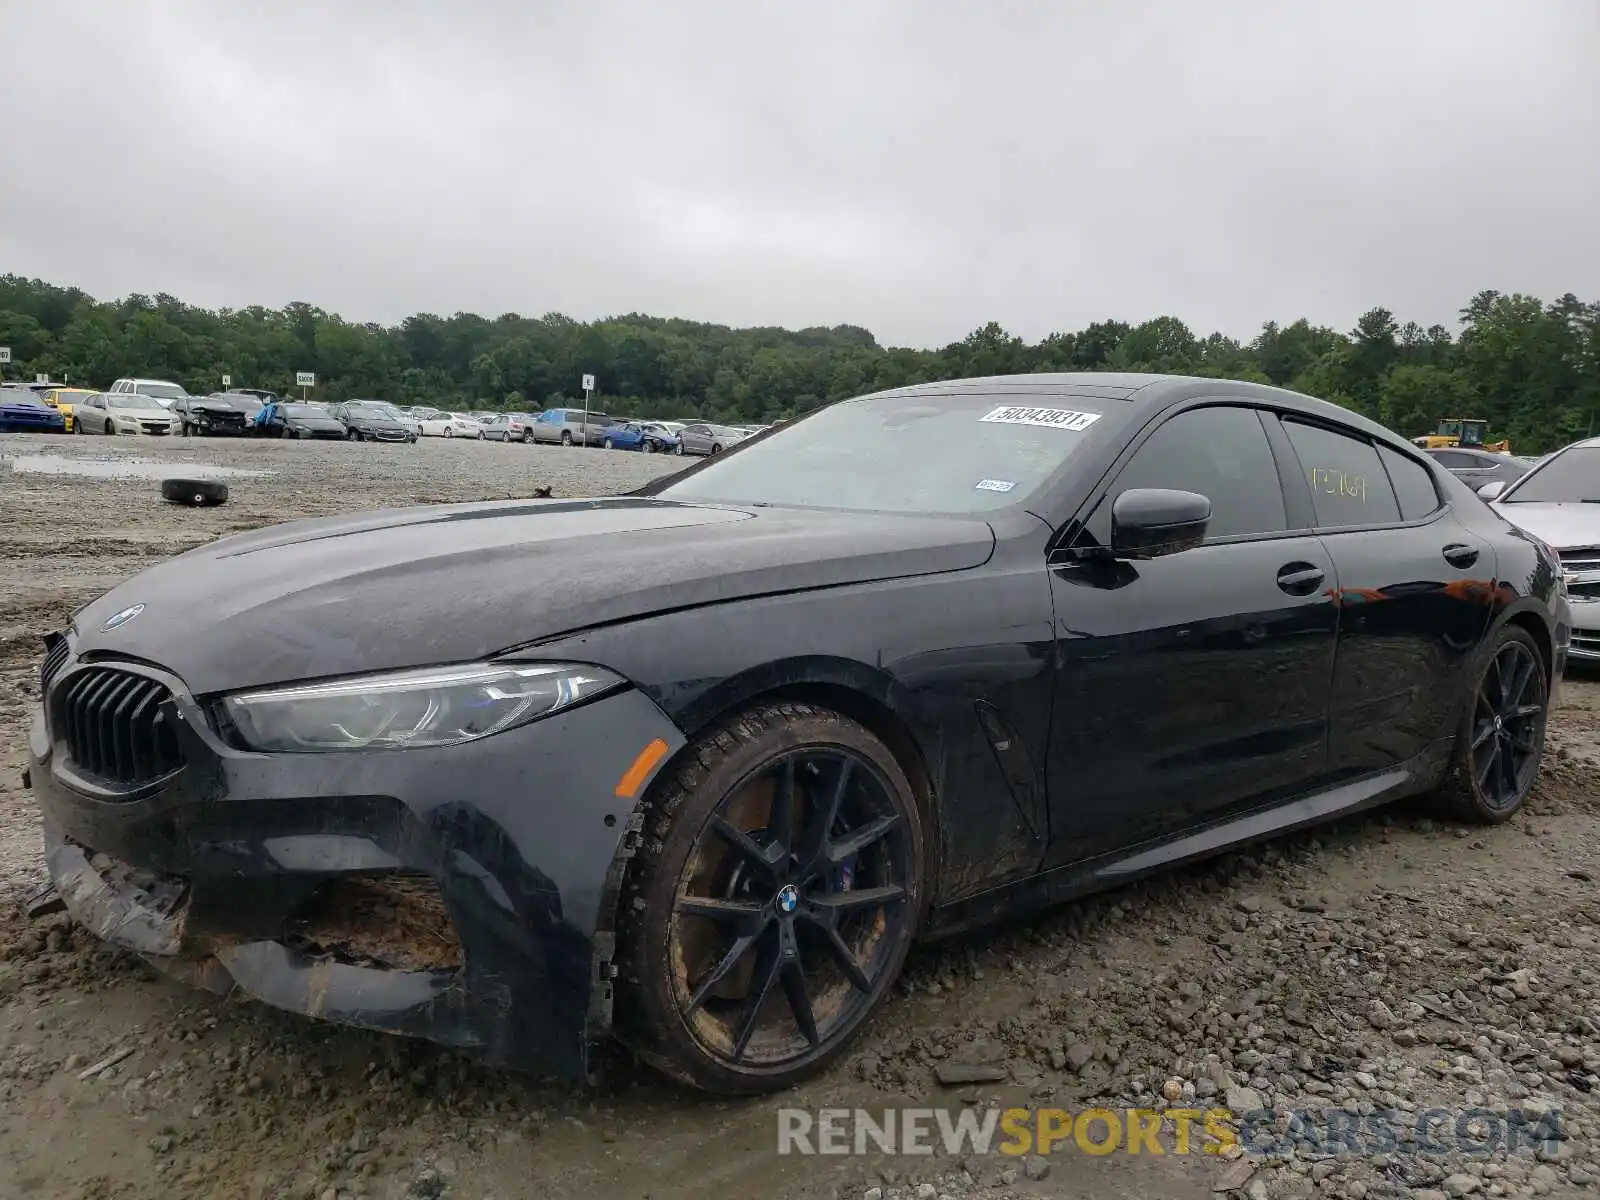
{"x": 495, "y": 865}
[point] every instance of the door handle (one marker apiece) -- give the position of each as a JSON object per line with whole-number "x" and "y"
{"x": 1300, "y": 578}
{"x": 1458, "y": 554}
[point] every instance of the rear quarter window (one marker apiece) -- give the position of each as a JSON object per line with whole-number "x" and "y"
{"x": 1414, "y": 487}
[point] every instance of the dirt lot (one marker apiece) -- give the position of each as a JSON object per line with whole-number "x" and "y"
{"x": 1391, "y": 962}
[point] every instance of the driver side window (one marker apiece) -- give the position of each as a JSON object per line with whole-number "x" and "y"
{"x": 1222, "y": 453}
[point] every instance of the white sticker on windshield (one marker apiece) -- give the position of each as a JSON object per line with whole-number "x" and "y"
{"x": 1053, "y": 418}
{"x": 995, "y": 485}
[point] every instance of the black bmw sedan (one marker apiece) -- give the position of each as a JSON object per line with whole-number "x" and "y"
{"x": 692, "y": 767}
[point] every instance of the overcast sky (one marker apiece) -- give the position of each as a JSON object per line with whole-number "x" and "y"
{"x": 915, "y": 166}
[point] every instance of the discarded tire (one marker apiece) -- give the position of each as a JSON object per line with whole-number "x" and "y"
{"x": 194, "y": 492}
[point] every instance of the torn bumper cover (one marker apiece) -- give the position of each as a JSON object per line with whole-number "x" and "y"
{"x": 458, "y": 895}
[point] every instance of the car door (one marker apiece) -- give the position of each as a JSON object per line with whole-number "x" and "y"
{"x": 1416, "y": 591}
{"x": 92, "y": 414}
{"x": 1193, "y": 686}
{"x": 694, "y": 440}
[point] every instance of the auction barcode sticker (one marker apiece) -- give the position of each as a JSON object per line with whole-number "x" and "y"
{"x": 1052, "y": 418}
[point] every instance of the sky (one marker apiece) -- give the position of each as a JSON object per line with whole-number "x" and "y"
{"x": 918, "y": 167}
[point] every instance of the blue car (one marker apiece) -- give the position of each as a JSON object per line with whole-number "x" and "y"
{"x": 23, "y": 412}
{"x": 639, "y": 435}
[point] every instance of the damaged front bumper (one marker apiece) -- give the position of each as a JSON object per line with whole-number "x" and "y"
{"x": 462, "y": 895}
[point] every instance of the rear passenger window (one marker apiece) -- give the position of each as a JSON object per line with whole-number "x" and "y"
{"x": 1413, "y": 484}
{"x": 1348, "y": 484}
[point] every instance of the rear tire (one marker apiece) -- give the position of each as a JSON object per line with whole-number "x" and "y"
{"x": 607, "y": 444}
{"x": 783, "y": 854}
{"x": 1500, "y": 740}
{"x": 566, "y": 438}
{"x": 111, "y": 429}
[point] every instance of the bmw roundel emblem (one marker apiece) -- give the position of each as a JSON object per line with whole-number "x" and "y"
{"x": 788, "y": 898}
{"x": 119, "y": 619}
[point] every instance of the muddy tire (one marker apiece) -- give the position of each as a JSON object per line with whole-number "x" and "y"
{"x": 769, "y": 909}
{"x": 194, "y": 492}
{"x": 1500, "y": 740}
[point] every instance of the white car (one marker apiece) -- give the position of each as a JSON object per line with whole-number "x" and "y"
{"x": 1559, "y": 503}
{"x": 123, "y": 412}
{"x": 444, "y": 424}
{"x": 162, "y": 391}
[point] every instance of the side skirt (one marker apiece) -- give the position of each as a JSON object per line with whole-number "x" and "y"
{"x": 1078, "y": 879}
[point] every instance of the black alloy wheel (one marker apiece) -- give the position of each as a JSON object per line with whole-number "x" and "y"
{"x": 773, "y": 902}
{"x": 1500, "y": 742}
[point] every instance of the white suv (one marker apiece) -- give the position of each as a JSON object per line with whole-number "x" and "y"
{"x": 162, "y": 391}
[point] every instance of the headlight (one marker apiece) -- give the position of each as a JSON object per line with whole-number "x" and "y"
{"x": 430, "y": 706}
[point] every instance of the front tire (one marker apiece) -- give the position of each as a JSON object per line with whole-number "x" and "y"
{"x": 772, "y": 903}
{"x": 1500, "y": 741}
{"x": 678, "y": 449}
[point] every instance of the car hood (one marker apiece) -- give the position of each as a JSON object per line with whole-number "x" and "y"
{"x": 372, "y": 422}
{"x": 152, "y": 413}
{"x": 23, "y": 403}
{"x": 1560, "y": 525}
{"x": 450, "y": 583}
{"x": 313, "y": 422}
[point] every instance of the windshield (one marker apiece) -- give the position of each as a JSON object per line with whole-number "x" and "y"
{"x": 165, "y": 391}
{"x": 1572, "y": 476}
{"x": 300, "y": 410}
{"x": 373, "y": 408}
{"x": 910, "y": 453}
{"x": 130, "y": 400}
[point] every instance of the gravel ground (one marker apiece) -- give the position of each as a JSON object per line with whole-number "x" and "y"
{"x": 1390, "y": 962}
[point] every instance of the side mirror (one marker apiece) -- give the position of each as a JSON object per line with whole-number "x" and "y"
{"x": 1491, "y": 491}
{"x": 1155, "y": 522}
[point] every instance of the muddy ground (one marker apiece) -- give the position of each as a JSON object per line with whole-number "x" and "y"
{"x": 1392, "y": 962}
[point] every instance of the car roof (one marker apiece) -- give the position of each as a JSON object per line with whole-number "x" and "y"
{"x": 1146, "y": 392}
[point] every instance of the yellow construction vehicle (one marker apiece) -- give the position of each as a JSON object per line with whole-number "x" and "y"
{"x": 1465, "y": 432}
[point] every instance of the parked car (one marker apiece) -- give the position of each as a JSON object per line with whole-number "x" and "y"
{"x": 261, "y": 394}
{"x": 436, "y": 422}
{"x": 460, "y": 425}
{"x": 567, "y": 427}
{"x": 639, "y": 435}
{"x": 22, "y": 411}
{"x": 1478, "y": 467}
{"x": 1558, "y": 501}
{"x": 507, "y": 427}
{"x": 292, "y": 419}
{"x": 372, "y": 421}
{"x": 917, "y": 661}
{"x": 224, "y": 414}
{"x": 704, "y": 438}
{"x": 113, "y": 413}
{"x": 62, "y": 399}
{"x": 162, "y": 391}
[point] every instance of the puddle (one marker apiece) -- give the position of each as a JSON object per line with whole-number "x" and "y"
{"x": 125, "y": 468}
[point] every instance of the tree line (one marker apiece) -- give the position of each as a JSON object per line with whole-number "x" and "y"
{"x": 1530, "y": 368}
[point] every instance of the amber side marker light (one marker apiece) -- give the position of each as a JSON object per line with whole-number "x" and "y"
{"x": 628, "y": 785}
